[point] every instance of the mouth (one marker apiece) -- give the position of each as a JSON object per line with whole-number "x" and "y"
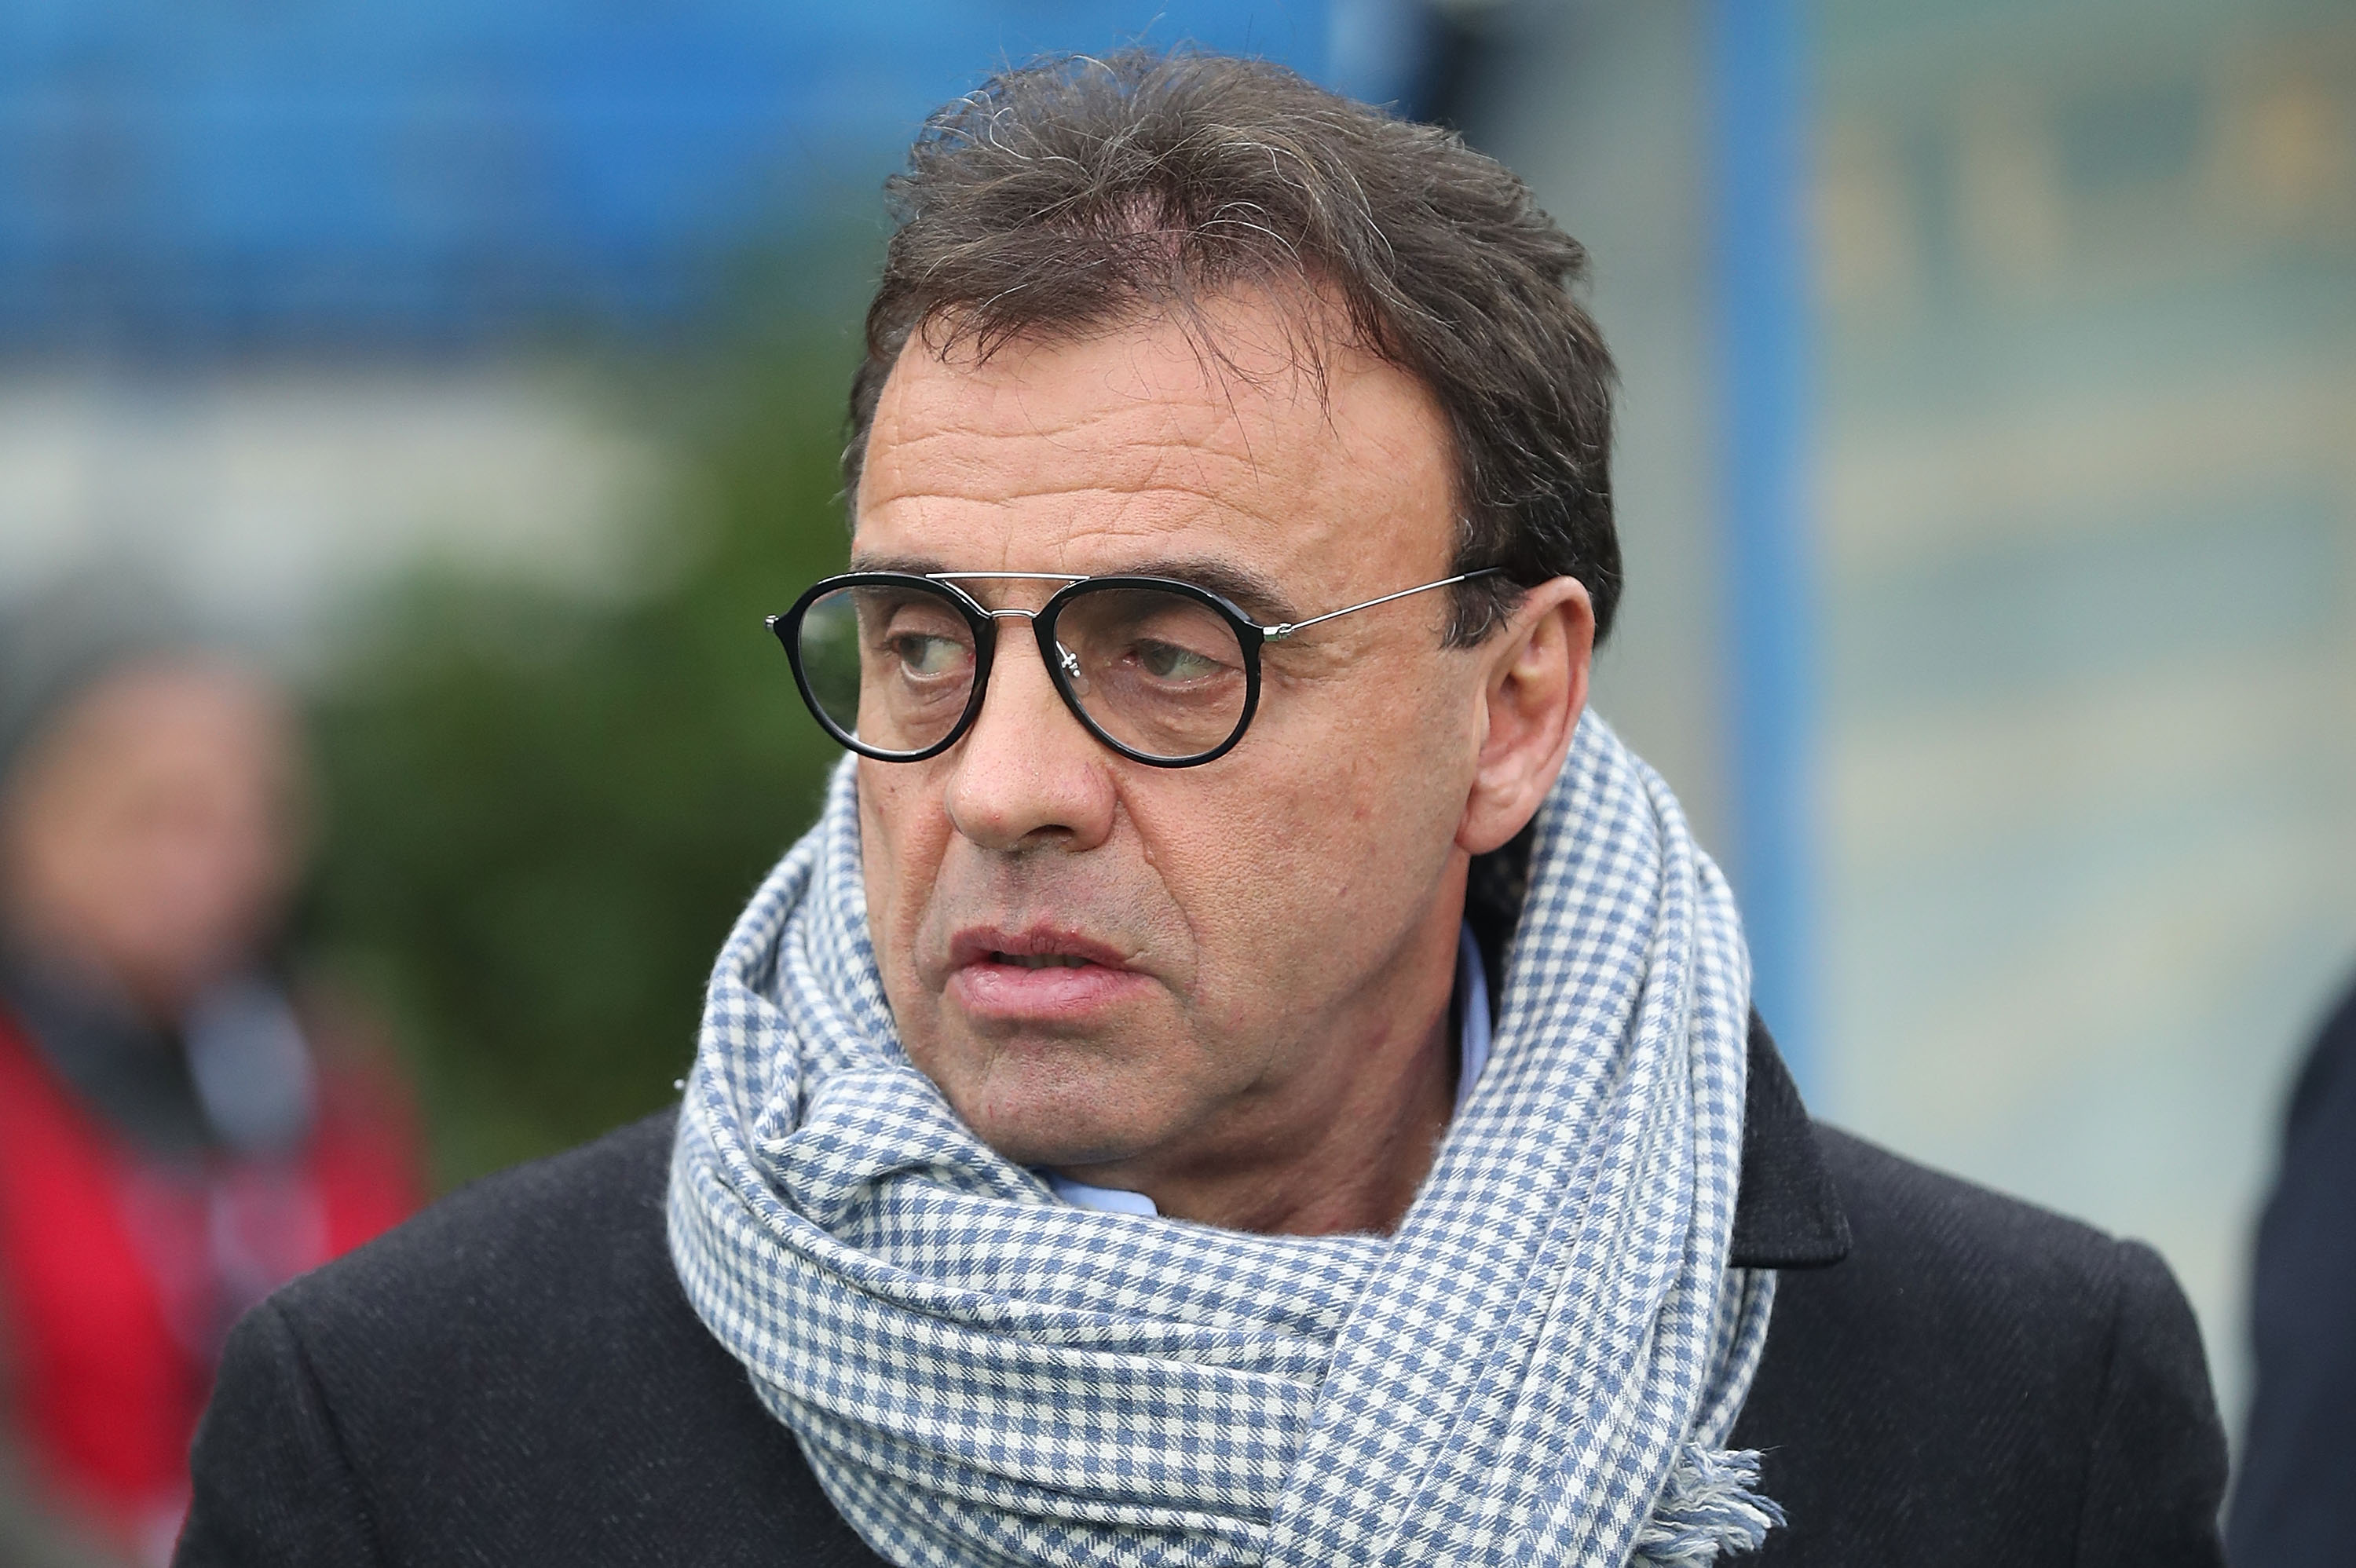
{"x": 1033, "y": 947}
{"x": 1038, "y": 975}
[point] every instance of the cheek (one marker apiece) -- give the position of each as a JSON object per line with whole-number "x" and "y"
{"x": 903, "y": 834}
{"x": 1388, "y": 770}
{"x": 1300, "y": 868}
{"x": 1361, "y": 830}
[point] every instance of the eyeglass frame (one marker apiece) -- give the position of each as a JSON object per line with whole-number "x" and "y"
{"x": 1251, "y": 638}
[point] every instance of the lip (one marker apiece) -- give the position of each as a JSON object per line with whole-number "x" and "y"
{"x": 986, "y": 986}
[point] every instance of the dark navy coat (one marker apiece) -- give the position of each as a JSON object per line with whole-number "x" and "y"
{"x": 514, "y": 1377}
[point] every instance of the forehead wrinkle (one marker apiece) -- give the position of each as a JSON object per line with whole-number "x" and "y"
{"x": 1169, "y": 427}
{"x": 1111, "y": 414}
{"x": 1208, "y": 418}
{"x": 1174, "y": 463}
{"x": 1121, "y": 516}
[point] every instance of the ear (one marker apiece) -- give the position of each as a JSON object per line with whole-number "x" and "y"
{"x": 1533, "y": 691}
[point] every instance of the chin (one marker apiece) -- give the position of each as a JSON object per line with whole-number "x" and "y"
{"x": 1054, "y": 1140}
{"x": 1058, "y": 1123}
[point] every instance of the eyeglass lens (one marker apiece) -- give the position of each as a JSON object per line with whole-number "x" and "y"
{"x": 1161, "y": 674}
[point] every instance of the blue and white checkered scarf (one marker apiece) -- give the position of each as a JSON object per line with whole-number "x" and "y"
{"x": 1541, "y": 1366}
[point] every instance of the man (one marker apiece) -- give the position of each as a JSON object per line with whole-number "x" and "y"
{"x": 1103, "y": 1145}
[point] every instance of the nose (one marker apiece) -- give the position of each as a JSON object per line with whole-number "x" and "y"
{"x": 1027, "y": 774}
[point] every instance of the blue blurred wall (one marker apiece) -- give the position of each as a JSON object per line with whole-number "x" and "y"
{"x": 436, "y": 171}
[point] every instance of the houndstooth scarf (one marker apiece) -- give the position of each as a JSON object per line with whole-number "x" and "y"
{"x": 1541, "y": 1366}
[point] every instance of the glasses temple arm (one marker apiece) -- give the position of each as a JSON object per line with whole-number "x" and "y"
{"x": 1277, "y": 633}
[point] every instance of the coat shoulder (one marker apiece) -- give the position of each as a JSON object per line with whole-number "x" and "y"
{"x": 1982, "y": 1380}
{"x": 1963, "y": 1241}
{"x": 548, "y": 1239}
{"x": 512, "y": 1377}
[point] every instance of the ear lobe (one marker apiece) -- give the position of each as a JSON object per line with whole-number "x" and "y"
{"x": 1535, "y": 691}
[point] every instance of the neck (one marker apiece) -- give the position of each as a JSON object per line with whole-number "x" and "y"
{"x": 1340, "y": 1146}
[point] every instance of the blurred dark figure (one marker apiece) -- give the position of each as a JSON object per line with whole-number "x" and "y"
{"x": 2298, "y": 1471}
{"x": 178, "y": 1134}
{"x": 2288, "y": 1507}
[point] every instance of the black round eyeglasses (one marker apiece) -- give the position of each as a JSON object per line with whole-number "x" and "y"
{"x": 896, "y": 664}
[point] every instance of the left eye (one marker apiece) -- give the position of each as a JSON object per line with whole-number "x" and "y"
{"x": 1167, "y": 661}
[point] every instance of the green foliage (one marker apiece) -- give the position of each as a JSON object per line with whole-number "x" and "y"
{"x": 542, "y": 813}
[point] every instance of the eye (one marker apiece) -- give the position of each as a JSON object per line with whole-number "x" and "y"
{"x": 922, "y": 654}
{"x": 1168, "y": 661}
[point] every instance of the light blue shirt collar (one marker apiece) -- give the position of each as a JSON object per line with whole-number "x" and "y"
{"x": 1473, "y": 1035}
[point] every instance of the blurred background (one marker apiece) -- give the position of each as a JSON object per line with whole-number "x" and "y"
{"x": 1987, "y": 474}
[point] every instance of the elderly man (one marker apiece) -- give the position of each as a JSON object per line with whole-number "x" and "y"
{"x": 1244, "y": 1070}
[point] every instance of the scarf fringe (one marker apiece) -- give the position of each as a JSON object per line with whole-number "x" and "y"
{"x": 1711, "y": 1504}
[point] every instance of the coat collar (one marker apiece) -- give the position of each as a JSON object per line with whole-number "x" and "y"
{"x": 1787, "y": 1214}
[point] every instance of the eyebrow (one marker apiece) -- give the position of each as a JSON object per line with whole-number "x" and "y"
{"x": 1254, "y": 595}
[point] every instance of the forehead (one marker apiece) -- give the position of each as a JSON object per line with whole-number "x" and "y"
{"x": 1239, "y": 439}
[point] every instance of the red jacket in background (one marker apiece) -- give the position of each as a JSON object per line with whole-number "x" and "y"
{"x": 120, "y": 1273}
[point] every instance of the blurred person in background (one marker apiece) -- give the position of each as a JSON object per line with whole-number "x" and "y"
{"x": 2298, "y": 1469}
{"x": 179, "y": 1133}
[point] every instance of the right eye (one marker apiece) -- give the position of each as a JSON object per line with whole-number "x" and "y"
{"x": 926, "y": 653}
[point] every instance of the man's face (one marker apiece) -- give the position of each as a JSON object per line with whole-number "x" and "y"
{"x": 1102, "y": 961}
